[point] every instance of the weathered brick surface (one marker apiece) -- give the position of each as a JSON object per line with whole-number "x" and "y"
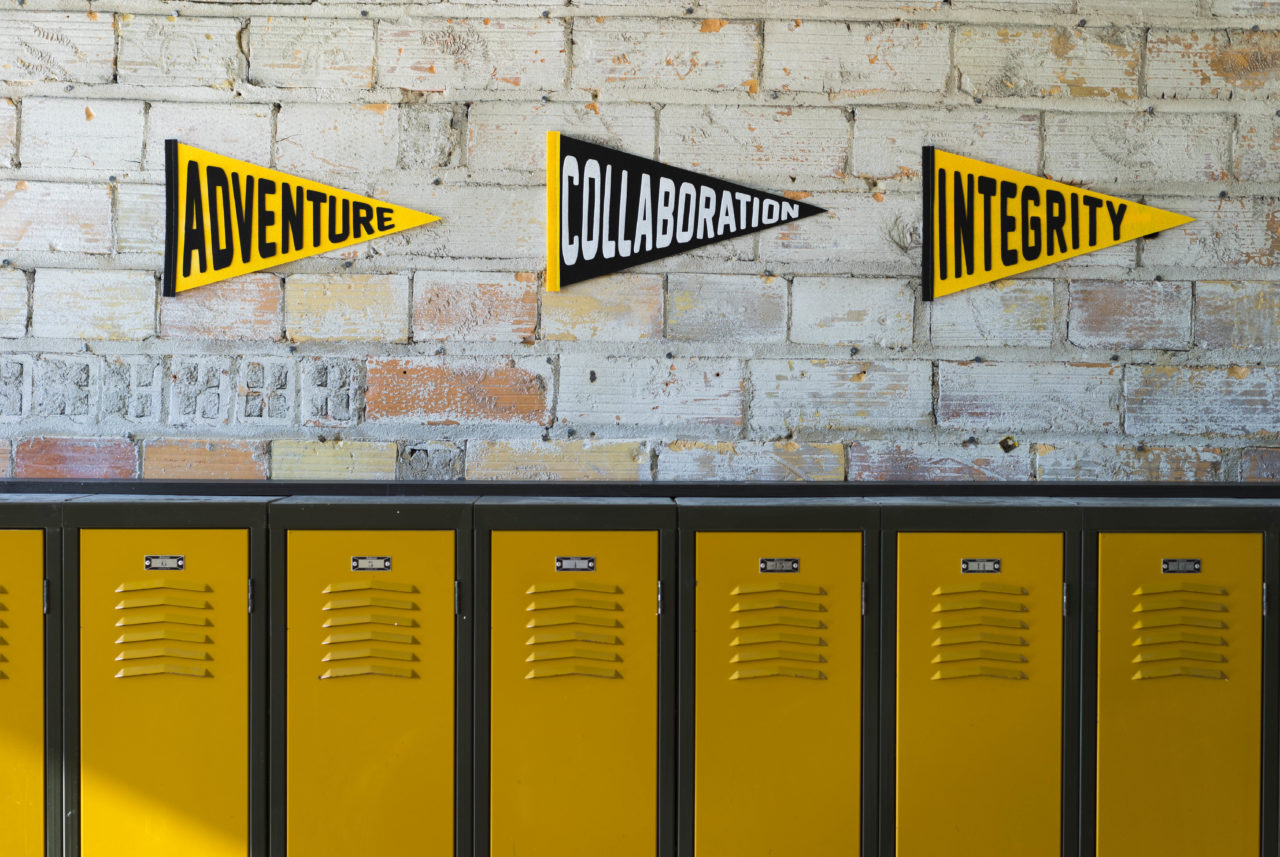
{"x": 1245, "y": 8}
{"x": 133, "y": 389}
{"x": 169, "y": 51}
{"x": 477, "y": 222}
{"x": 200, "y": 391}
{"x": 750, "y": 142}
{"x": 75, "y": 47}
{"x": 696, "y": 397}
{"x": 333, "y": 460}
{"x": 847, "y": 60}
{"x": 711, "y": 308}
{"x": 15, "y": 387}
{"x": 1225, "y": 64}
{"x": 453, "y": 390}
{"x": 1210, "y": 400}
{"x": 852, "y": 311}
{"x": 75, "y": 458}
{"x": 311, "y": 52}
{"x": 13, "y": 304}
{"x": 1013, "y": 396}
{"x": 618, "y": 53}
{"x": 432, "y": 460}
{"x": 523, "y": 54}
{"x": 1227, "y": 233}
{"x": 8, "y": 131}
{"x": 1146, "y": 10}
{"x": 1257, "y": 148}
{"x": 164, "y": 458}
{"x": 93, "y": 304}
{"x": 430, "y": 137}
{"x": 1260, "y": 464}
{"x": 347, "y": 307}
{"x": 996, "y": 62}
{"x": 887, "y": 140}
{"x": 1237, "y": 315}
{"x": 78, "y": 133}
{"x": 537, "y": 460}
{"x": 139, "y": 219}
{"x": 53, "y": 216}
{"x": 245, "y": 308}
{"x": 967, "y": 461}
{"x": 240, "y": 131}
{"x": 481, "y": 307}
{"x": 813, "y": 398}
{"x": 332, "y": 391}
{"x": 626, "y": 307}
{"x": 328, "y": 141}
{"x": 1138, "y": 148}
{"x": 1119, "y": 463}
{"x": 1007, "y": 313}
{"x": 1138, "y": 314}
{"x": 67, "y": 386}
{"x": 504, "y": 135}
{"x": 266, "y": 392}
{"x": 750, "y": 461}
{"x": 871, "y": 234}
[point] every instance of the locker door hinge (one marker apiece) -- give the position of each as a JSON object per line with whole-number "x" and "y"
{"x": 1066, "y": 604}
{"x": 659, "y": 597}
{"x": 457, "y": 600}
{"x": 250, "y": 596}
{"x": 864, "y": 598}
{"x": 46, "y": 598}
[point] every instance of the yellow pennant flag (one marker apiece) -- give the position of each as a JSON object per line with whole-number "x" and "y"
{"x": 983, "y": 223}
{"x": 226, "y": 217}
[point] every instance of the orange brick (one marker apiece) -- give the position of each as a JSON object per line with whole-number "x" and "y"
{"x": 249, "y": 308}
{"x": 1224, "y": 64}
{"x": 452, "y": 391}
{"x": 75, "y": 458}
{"x": 492, "y": 307}
{"x": 204, "y": 459}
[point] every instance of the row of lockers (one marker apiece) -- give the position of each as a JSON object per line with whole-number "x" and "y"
{"x": 327, "y": 677}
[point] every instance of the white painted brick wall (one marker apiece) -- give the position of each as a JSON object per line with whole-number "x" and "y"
{"x": 887, "y": 140}
{"x": 525, "y": 55}
{"x": 75, "y": 47}
{"x": 74, "y": 133}
{"x": 311, "y": 52}
{"x": 326, "y": 142}
{"x": 855, "y": 311}
{"x": 852, "y": 60}
{"x": 240, "y": 131}
{"x": 168, "y": 51}
{"x": 69, "y": 304}
{"x": 612, "y": 54}
{"x": 749, "y": 143}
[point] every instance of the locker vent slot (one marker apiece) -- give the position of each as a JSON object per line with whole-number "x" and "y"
{"x": 366, "y": 645}
{"x": 577, "y": 610}
{"x": 163, "y": 612}
{"x": 1181, "y": 630}
{"x": 977, "y": 632}
{"x": 777, "y": 631}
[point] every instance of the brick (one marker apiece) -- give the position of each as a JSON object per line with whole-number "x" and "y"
{"x": 13, "y": 304}
{"x": 93, "y": 304}
{"x": 968, "y": 461}
{"x": 862, "y": 234}
{"x": 8, "y": 132}
{"x": 429, "y": 137}
{"x": 1146, "y": 10}
{"x": 75, "y": 458}
{"x": 1260, "y": 9}
{"x": 16, "y": 386}
{"x": 1137, "y": 149}
{"x": 200, "y": 391}
{"x": 50, "y": 216}
{"x": 248, "y": 308}
{"x": 726, "y": 308}
{"x": 756, "y": 143}
{"x": 1230, "y": 233}
{"x": 166, "y": 458}
{"x": 1039, "y": 6}
{"x": 510, "y": 135}
{"x": 1218, "y": 400}
{"x": 75, "y": 134}
{"x": 475, "y": 307}
{"x": 67, "y": 386}
{"x": 690, "y": 395}
{"x": 852, "y": 311}
{"x": 850, "y": 60}
{"x": 749, "y": 461}
{"x": 76, "y": 47}
{"x": 348, "y": 460}
{"x": 360, "y": 307}
{"x": 435, "y": 56}
{"x": 1131, "y": 314}
{"x": 1016, "y": 396}
{"x": 623, "y": 307}
{"x": 332, "y": 140}
{"x": 1008, "y": 313}
{"x": 1224, "y": 64}
{"x": 266, "y": 394}
{"x": 477, "y": 222}
{"x": 887, "y": 140}
{"x": 236, "y": 130}
{"x": 458, "y": 390}
{"x": 1237, "y": 315}
{"x": 1260, "y": 464}
{"x": 332, "y": 391}
{"x": 1034, "y": 62}
{"x": 623, "y": 53}
{"x": 806, "y": 398}
{"x": 1109, "y": 463}
{"x": 1257, "y": 151}
{"x": 173, "y": 51}
{"x": 311, "y": 52}
{"x": 132, "y": 389}
{"x": 139, "y": 219}
{"x": 6, "y": 458}
{"x": 553, "y": 460}
{"x": 434, "y": 460}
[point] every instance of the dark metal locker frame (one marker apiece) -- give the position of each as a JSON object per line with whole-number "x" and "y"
{"x": 370, "y": 513}
{"x": 994, "y": 515}
{"x": 149, "y": 512}
{"x": 551, "y": 513}
{"x": 1181, "y": 516}
{"x": 799, "y": 516}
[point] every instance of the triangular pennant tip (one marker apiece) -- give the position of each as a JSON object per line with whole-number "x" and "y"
{"x": 226, "y": 217}
{"x": 609, "y": 210}
{"x": 984, "y": 223}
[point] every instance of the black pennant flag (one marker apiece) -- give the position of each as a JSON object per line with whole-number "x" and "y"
{"x": 607, "y": 210}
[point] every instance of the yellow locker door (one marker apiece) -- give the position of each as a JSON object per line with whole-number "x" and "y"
{"x": 979, "y": 724}
{"x": 777, "y": 762}
{"x": 370, "y": 693}
{"x": 574, "y": 689}
{"x": 164, "y": 693}
{"x": 1179, "y": 694}
{"x": 22, "y": 693}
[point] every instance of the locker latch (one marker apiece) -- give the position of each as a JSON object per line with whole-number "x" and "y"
{"x": 164, "y": 562}
{"x": 980, "y": 566}
{"x": 1180, "y": 566}
{"x": 370, "y": 563}
{"x": 575, "y": 563}
{"x": 786, "y": 565}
